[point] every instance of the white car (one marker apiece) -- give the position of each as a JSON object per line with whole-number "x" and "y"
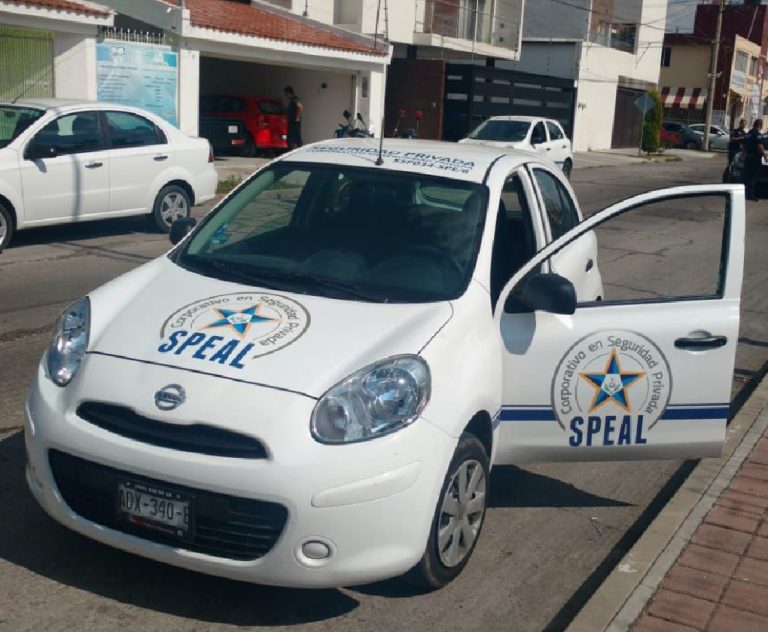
{"x": 65, "y": 161}
{"x": 545, "y": 137}
{"x": 718, "y": 137}
{"x": 310, "y": 389}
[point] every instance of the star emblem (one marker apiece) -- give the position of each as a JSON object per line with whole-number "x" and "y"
{"x": 240, "y": 321}
{"x": 612, "y": 384}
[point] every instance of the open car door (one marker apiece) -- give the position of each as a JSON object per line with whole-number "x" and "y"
{"x": 645, "y": 373}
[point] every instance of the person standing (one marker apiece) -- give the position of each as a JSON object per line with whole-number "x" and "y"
{"x": 295, "y": 109}
{"x": 753, "y": 160}
{"x": 737, "y": 137}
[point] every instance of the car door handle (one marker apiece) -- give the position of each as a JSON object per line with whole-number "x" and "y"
{"x": 94, "y": 164}
{"x": 590, "y": 264}
{"x": 706, "y": 342}
{"x": 160, "y": 157}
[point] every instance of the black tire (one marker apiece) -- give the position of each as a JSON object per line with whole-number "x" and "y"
{"x": 171, "y": 203}
{"x": 248, "y": 149}
{"x": 726, "y": 176}
{"x": 6, "y": 227}
{"x": 568, "y": 168}
{"x": 692, "y": 145}
{"x": 442, "y": 564}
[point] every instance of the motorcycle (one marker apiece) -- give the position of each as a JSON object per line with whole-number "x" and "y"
{"x": 411, "y": 133}
{"x": 351, "y": 129}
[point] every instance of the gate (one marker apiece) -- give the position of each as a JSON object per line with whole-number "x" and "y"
{"x": 26, "y": 63}
{"x": 475, "y": 93}
{"x": 628, "y": 121}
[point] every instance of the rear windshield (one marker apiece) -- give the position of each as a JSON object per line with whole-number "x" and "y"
{"x": 14, "y": 120}
{"x": 271, "y": 107}
{"x": 503, "y": 131}
{"x": 222, "y": 104}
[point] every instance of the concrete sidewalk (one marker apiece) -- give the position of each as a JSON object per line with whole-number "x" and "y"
{"x": 702, "y": 565}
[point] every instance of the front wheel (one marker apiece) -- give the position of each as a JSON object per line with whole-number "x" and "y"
{"x": 6, "y": 227}
{"x": 458, "y": 517}
{"x": 568, "y": 168}
{"x": 171, "y": 203}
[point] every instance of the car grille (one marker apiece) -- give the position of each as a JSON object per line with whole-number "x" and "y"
{"x": 224, "y": 526}
{"x": 197, "y": 438}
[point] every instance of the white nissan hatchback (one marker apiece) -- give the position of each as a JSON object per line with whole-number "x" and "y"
{"x": 67, "y": 161}
{"x": 310, "y": 389}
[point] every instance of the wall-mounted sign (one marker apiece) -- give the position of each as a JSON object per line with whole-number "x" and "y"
{"x": 142, "y": 75}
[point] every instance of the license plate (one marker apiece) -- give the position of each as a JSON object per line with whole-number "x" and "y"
{"x": 232, "y": 129}
{"x": 155, "y": 508}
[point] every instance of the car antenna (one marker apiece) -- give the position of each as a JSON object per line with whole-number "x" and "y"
{"x": 380, "y": 158}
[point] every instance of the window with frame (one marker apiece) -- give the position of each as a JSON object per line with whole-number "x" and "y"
{"x": 539, "y": 135}
{"x": 753, "y": 66}
{"x": 558, "y": 203}
{"x": 69, "y": 134}
{"x": 741, "y": 61}
{"x": 555, "y": 133}
{"x": 666, "y": 56}
{"x": 131, "y": 130}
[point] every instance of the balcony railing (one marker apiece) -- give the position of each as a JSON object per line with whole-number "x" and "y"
{"x": 492, "y": 22}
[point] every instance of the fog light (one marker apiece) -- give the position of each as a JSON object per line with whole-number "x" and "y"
{"x": 315, "y": 550}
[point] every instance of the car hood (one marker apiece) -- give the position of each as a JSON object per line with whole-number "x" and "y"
{"x": 161, "y": 314}
{"x": 497, "y": 143}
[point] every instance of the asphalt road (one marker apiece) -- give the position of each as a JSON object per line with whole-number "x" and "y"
{"x": 550, "y": 532}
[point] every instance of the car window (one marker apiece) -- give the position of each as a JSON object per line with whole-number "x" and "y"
{"x": 69, "y": 134}
{"x": 560, "y": 207}
{"x": 539, "y": 135}
{"x": 555, "y": 133}
{"x": 14, "y": 120}
{"x": 130, "y": 130}
{"x": 391, "y": 236}
{"x": 502, "y": 131}
{"x": 271, "y": 107}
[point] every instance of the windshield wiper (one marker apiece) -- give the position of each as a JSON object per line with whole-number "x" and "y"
{"x": 313, "y": 282}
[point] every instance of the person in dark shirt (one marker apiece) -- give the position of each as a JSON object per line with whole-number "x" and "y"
{"x": 737, "y": 137}
{"x": 295, "y": 109}
{"x": 753, "y": 159}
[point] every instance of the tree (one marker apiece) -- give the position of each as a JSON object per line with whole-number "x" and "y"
{"x": 652, "y": 125}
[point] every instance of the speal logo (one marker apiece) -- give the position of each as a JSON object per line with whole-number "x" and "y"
{"x": 610, "y": 389}
{"x": 232, "y": 329}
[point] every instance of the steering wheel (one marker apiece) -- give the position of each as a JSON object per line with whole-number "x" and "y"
{"x": 437, "y": 255}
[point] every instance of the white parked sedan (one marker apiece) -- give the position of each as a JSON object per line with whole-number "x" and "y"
{"x": 65, "y": 161}
{"x": 718, "y": 137}
{"x": 310, "y": 389}
{"x": 529, "y": 133}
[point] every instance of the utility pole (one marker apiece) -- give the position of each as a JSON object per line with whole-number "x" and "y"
{"x": 713, "y": 75}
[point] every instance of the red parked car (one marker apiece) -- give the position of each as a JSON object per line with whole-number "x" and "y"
{"x": 264, "y": 118}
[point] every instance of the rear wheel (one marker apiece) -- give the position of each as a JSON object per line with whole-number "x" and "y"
{"x": 6, "y": 227}
{"x": 691, "y": 145}
{"x": 248, "y": 148}
{"x": 171, "y": 203}
{"x": 568, "y": 168}
{"x": 458, "y": 517}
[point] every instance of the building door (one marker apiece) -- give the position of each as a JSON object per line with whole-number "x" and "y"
{"x": 628, "y": 121}
{"x": 26, "y": 63}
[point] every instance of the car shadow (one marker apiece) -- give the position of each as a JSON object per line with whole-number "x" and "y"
{"x": 81, "y": 231}
{"x": 31, "y": 540}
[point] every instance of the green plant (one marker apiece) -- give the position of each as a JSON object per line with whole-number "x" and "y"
{"x": 654, "y": 118}
{"x": 228, "y": 183}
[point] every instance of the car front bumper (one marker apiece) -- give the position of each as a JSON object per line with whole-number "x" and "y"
{"x": 369, "y": 504}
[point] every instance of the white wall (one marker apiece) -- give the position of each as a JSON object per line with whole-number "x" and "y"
{"x": 74, "y": 65}
{"x": 187, "y": 104}
{"x": 322, "y": 105}
{"x": 599, "y": 71}
{"x": 555, "y": 59}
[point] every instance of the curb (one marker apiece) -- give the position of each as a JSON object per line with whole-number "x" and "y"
{"x": 622, "y": 597}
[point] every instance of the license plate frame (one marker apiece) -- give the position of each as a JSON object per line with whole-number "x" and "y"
{"x": 139, "y": 515}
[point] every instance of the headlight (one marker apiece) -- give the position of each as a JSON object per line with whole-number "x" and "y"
{"x": 372, "y": 402}
{"x": 69, "y": 342}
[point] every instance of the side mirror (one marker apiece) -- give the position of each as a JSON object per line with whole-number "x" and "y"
{"x": 40, "y": 152}
{"x": 546, "y": 292}
{"x": 181, "y": 228}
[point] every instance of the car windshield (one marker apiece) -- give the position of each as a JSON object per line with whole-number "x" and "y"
{"x": 504, "y": 131}
{"x": 343, "y": 232}
{"x": 14, "y": 120}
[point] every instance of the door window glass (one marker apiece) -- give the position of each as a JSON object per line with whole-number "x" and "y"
{"x": 70, "y": 134}
{"x": 561, "y": 209}
{"x": 538, "y": 135}
{"x": 555, "y": 133}
{"x": 131, "y": 130}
